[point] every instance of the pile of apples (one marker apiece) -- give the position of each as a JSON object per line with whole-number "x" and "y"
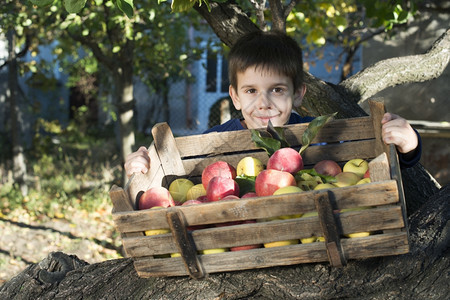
{"x": 283, "y": 174}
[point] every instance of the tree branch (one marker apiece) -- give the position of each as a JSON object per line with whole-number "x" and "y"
{"x": 400, "y": 70}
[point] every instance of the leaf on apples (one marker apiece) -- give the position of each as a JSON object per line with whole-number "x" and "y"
{"x": 312, "y": 130}
{"x": 246, "y": 184}
{"x": 274, "y": 141}
{"x": 269, "y": 144}
{"x": 309, "y": 174}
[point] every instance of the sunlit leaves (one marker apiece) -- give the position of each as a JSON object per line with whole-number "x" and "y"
{"x": 42, "y": 2}
{"x": 74, "y": 6}
{"x": 126, "y": 6}
{"x": 184, "y": 5}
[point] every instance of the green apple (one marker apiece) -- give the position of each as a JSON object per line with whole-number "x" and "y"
{"x": 357, "y": 165}
{"x": 249, "y": 166}
{"x": 323, "y": 186}
{"x": 196, "y": 191}
{"x": 179, "y": 189}
{"x": 346, "y": 179}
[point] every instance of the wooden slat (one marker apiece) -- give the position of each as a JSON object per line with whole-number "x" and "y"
{"x": 167, "y": 150}
{"x": 371, "y": 194}
{"x": 330, "y": 229}
{"x": 225, "y": 142}
{"x": 379, "y": 168}
{"x": 357, "y": 248}
{"x": 339, "y": 152}
{"x": 377, "y": 110}
{"x": 370, "y": 220}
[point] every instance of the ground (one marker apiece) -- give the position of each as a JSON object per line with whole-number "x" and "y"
{"x": 25, "y": 240}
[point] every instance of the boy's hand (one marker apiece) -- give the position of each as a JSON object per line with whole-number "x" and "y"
{"x": 138, "y": 161}
{"x": 397, "y": 131}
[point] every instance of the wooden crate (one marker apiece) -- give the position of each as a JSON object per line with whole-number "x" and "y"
{"x": 187, "y": 156}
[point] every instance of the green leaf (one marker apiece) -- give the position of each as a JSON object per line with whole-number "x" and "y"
{"x": 309, "y": 174}
{"x": 126, "y": 6}
{"x": 182, "y": 5}
{"x": 278, "y": 134}
{"x": 74, "y": 6}
{"x": 42, "y": 2}
{"x": 246, "y": 184}
{"x": 267, "y": 143}
{"x": 312, "y": 130}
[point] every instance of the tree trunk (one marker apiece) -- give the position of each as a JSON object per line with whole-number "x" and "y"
{"x": 19, "y": 166}
{"x": 123, "y": 82}
{"x": 421, "y": 274}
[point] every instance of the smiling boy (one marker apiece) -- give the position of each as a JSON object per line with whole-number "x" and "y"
{"x": 266, "y": 82}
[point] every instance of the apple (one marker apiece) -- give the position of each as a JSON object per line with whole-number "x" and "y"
{"x": 156, "y": 196}
{"x": 323, "y": 186}
{"x": 179, "y": 189}
{"x": 218, "y": 168}
{"x": 268, "y": 181}
{"x": 196, "y": 191}
{"x": 230, "y": 197}
{"x": 249, "y": 195}
{"x": 357, "y": 165}
{"x": 249, "y": 166}
{"x": 280, "y": 243}
{"x": 364, "y": 180}
{"x": 213, "y": 251}
{"x": 356, "y": 234}
{"x": 311, "y": 239}
{"x": 220, "y": 187}
{"x": 327, "y": 167}
{"x": 194, "y": 202}
{"x": 157, "y": 231}
{"x": 285, "y": 159}
{"x": 346, "y": 179}
{"x": 367, "y": 174}
{"x": 202, "y": 198}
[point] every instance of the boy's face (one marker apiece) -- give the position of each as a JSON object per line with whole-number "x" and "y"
{"x": 262, "y": 95}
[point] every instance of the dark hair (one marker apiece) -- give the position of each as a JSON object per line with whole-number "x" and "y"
{"x": 273, "y": 51}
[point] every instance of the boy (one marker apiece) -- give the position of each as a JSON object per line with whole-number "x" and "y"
{"x": 266, "y": 81}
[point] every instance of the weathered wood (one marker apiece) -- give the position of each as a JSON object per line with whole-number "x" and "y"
{"x": 380, "y": 218}
{"x": 184, "y": 243}
{"x": 379, "y": 168}
{"x": 377, "y": 110}
{"x": 380, "y": 193}
{"x": 330, "y": 230}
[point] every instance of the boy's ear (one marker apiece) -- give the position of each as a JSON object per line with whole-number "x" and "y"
{"x": 298, "y": 96}
{"x": 234, "y": 98}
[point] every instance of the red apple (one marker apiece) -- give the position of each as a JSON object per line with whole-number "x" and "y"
{"x": 285, "y": 159}
{"x": 367, "y": 174}
{"x": 218, "y": 168}
{"x": 202, "y": 198}
{"x": 327, "y": 167}
{"x": 268, "y": 181}
{"x": 230, "y": 197}
{"x": 249, "y": 195}
{"x": 156, "y": 196}
{"x": 220, "y": 187}
{"x": 192, "y": 202}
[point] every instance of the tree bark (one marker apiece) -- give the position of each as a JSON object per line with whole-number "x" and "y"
{"x": 421, "y": 274}
{"x": 19, "y": 166}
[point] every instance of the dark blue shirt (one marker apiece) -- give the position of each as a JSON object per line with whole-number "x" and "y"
{"x": 235, "y": 124}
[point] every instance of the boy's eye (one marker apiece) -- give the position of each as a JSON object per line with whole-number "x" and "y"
{"x": 277, "y": 90}
{"x": 251, "y": 91}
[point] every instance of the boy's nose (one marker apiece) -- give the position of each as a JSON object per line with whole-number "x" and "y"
{"x": 264, "y": 101}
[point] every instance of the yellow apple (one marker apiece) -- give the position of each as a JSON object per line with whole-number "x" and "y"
{"x": 287, "y": 190}
{"x": 312, "y": 238}
{"x": 356, "y": 234}
{"x": 213, "y": 251}
{"x": 364, "y": 180}
{"x": 157, "y": 231}
{"x": 196, "y": 191}
{"x": 175, "y": 255}
{"x": 357, "y": 165}
{"x": 323, "y": 186}
{"x": 280, "y": 243}
{"x": 346, "y": 179}
{"x": 249, "y": 166}
{"x": 179, "y": 189}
